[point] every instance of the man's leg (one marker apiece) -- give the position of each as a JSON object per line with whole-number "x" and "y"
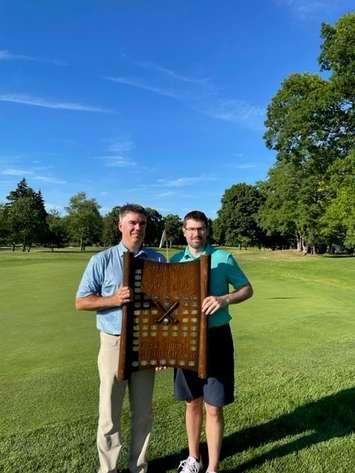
{"x": 110, "y": 404}
{"x": 141, "y": 385}
{"x": 194, "y": 417}
{"x": 214, "y": 434}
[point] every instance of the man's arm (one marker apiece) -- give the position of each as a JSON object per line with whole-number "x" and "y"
{"x": 123, "y": 295}
{"x": 211, "y": 304}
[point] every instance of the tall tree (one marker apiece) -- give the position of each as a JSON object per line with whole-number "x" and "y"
{"x": 26, "y": 216}
{"x": 278, "y": 213}
{"x": 4, "y": 227}
{"x": 110, "y": 235}
{"x": 338, "y": 55}
{"x": 155, "y": 227}
{"x": 172, "y": 226}
{"x": 310, "y": 124}
{"x": 237, "y": 223}
{"x": 84, "y": 220}
{"x": 58, "y": 234}
{"x": 338, "y": 220}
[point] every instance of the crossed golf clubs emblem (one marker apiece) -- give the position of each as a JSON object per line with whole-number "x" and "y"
{"x": 166, "y": 312}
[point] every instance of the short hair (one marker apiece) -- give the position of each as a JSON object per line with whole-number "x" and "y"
{"x": 135, "y": 208}
{"x": 196, "y": 215}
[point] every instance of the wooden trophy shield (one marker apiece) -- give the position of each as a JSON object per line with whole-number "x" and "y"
{"x": 164, "y": 325}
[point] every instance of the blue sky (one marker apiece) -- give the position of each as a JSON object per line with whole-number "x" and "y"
{"x": 158, "y": 102}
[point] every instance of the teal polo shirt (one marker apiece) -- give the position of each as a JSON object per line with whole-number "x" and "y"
{"x": 224, "y": 271}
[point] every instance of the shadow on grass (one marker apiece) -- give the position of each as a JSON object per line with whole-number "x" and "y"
{"x": 351, "y": 255}
{"x": 330, "y": 417}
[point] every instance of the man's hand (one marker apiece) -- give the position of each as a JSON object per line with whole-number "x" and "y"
{"x": 123, "y": 295}
{"x": 211, "y": 304}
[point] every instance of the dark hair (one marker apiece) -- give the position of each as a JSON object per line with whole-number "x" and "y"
{"x": 196, "y": 215}
{"x": 135, "y": 208}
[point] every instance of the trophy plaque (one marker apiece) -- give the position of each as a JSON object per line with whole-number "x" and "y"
{"x": 163, "y": 326}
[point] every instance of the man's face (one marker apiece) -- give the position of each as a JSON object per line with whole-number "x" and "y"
{"x": 132, "y": 226}
{"x": 195, "y": 232}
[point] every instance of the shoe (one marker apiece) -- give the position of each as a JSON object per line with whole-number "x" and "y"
{"x": 190, "y": 465}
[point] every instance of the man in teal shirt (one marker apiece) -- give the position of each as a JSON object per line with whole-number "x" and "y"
{"x": 218, "y": 389}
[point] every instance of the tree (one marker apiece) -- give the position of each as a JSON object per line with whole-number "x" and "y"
{"x": 26, "y": 216}
{"x": 338, "y": 220}
{"x": 310, "y": 124}
{"x": 155, "y": 227}
{"x": 172, "y": 226}
{"x": 277, "y": 214}
{"x": 84, "y": 220}
{"x": 4, "y": 228}
{"x": 236, "y": 223}
{"x": 338, "y": 55}
{"x": 306, "y": 123}
{"x": 58, "y": 235}
{"x": 110, "y": 234}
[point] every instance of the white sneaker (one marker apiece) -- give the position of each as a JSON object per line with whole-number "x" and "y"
{"x": 190, "y": 465}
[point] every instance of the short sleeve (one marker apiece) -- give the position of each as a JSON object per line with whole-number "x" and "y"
{"x": 236, "y": 276}
{"x": 92, "y": 279}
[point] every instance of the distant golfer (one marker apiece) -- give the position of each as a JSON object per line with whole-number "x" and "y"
{"x": 101, "y": 290}
{"x": 218, "y": 389}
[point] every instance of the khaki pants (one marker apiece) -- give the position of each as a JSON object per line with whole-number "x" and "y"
{"x": 140, "y": 388}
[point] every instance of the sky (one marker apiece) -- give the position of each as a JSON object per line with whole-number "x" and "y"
{"x": 158, "y": 102}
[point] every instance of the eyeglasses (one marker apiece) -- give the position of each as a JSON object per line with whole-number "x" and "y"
{"x": 195, "y": 229}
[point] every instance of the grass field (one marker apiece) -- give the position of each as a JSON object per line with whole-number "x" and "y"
{"x": 295, "y": 344}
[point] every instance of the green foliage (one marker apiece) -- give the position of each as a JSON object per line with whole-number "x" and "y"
{"x": 4, "y": 227}
{"x": 173, "y": 225}
{"x": 338, "y": 54}
{"x": 236, "y": 223}
{"x": 338, "y": 220}
{"x": 25, "y": 216}
{"x": 84, "y": 221}
{"x": 278, "y": 213}
{"x": 155, "y": 227}
{"x": 110, "y": 233}
{"x": 58, "y": 235}
{"x": 310, "y": 124}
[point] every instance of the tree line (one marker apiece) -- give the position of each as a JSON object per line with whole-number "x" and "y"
{"x": 307, "y": 200}
{"x": 24, "y": 221}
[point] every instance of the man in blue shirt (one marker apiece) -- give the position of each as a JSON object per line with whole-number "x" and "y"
{"x": 101, "y": 290}
{"x": 218, "y": 389}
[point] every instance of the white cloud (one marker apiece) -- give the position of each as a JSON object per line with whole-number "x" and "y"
{"x": 141, "y": 85}
{"x": 232, "y": 110}
{"x": 117, "y": 161}
{"x": 183, "y": 181}
{"x": 206, "y": 99}
{"x": 45, "y": 103}
{"x": 121, "y": 146}
{"x": 16, "y": 172}
{"x": 33, "y": 175}
{"x": 168, "y": 72}
{"x": 242, "y": 166}
{"x": 6, "y": 55}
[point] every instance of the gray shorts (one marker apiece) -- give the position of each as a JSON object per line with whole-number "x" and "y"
{"x": 218, "y": 388}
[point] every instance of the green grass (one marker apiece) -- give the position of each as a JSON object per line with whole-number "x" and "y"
{"x": 295, "y": 409}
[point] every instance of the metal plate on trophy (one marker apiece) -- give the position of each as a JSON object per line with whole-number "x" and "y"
{"x": 163, "y": 326}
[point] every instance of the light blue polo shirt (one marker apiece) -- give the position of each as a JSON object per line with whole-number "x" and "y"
{"x": 103, "y": 276}
{"x": 224, "y": 271}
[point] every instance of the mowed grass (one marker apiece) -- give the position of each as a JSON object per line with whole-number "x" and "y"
{"x": 295, "y": 350}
